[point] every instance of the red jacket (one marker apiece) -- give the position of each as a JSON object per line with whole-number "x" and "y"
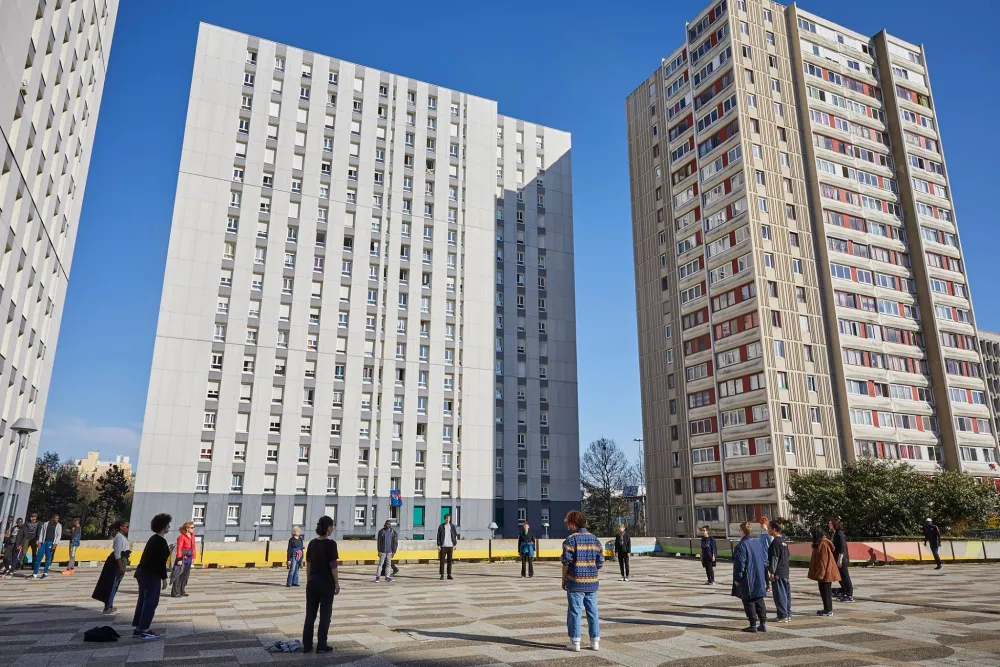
{"x": 186, "y": 541}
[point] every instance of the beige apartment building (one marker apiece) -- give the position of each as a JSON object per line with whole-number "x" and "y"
{"x": 801, "y": 290}
{"x": 93, "y": 468}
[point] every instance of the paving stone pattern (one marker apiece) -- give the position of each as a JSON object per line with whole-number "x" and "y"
{"x": 489, "y": 615}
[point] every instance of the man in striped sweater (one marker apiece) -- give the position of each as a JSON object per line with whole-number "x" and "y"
{"x": 582, "y": 557}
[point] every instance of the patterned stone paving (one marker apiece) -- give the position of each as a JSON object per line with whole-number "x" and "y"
{"x": 664, "y": 616}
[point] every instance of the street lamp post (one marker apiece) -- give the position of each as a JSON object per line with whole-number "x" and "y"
{"x": 493, "y": 529}
{"x": 23, "y": 427}
{"x": 546, "y": 526}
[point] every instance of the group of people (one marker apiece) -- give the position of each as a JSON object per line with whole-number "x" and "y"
{"x": 39, "y": 540}
{"x": 761, "y": 566}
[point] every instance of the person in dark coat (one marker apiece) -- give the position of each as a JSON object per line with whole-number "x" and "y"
{"x": 447, "y": 540}
{"x": 823, "y": 569}
{"x": 709, "y": 550}
{"x": 778, "y": 560}
{"x": 527, "y": 548}
{"x": 750, "y": 578}
{"x": 322, "y": 584}
{"x": 843, "y": 559}
{"x": 623, "y": 547}
{"x": 293, "y": 557}
{"x": 932, "y": 539}
{"x": 150, "y": 574}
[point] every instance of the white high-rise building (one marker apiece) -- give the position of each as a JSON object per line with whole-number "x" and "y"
{"x": 369, "y": 289}
{"x": 53, "y": 59}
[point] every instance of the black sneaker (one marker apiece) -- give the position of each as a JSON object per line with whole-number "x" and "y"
{"x": 442, "y": 577}
{"x": 752, "y": 628}
{"x": 324, "y": 649}
{"x": 449, "y": 577}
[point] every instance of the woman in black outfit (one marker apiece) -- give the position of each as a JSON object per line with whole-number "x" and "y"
{"x": 623, "y": 547}
{"x": 843, "y": 559}
{"x": 150, "y": 574}
{"x": 322, "y": 583}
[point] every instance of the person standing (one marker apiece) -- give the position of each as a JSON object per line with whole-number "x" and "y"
{"x": 49, "y": 536}
{"x": 447, "y": 540}
{"x": 32, "y": 532}
{"x": 709, "y": 550}
{"x": 150, "y": 575}
{"x": 582, "y": 559}
{"x": 114, "y": 568}
{"x": 932, "y": 539}
{"x": 12, "y": 544}
{"x": 387, "y": 543}
{"x": 294, "y": 556}
{"x": 823, "y": 569}
{"x": 750, "y": 578}
{"x": 623, "y": 547}
{"x": 76, "y": 532}
{"x": 842, "y": 557}
{"x": 184, "y": 554}
{"x": 527, "y": 547}
{"x": 322, "y": 583}
{"x": 778, "y": 561}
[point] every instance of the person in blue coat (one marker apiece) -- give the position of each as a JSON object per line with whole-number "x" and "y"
{"x": 750, "y": 578}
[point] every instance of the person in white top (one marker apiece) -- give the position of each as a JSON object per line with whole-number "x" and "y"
{"x": 447, "y": 540}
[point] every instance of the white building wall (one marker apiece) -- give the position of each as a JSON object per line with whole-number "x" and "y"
{"x": 53, "y": 59}
{"x": 335, "y": 162}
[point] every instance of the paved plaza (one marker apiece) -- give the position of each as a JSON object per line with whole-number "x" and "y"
{"x": 905, "y": 615}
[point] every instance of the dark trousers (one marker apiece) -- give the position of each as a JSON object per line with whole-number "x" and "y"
{"x": 826, "y": 593}
{"x": 846, "y": 585}
{"x": 934, "y": 550}
{"x": 529, "y": 563}
{"x": 623, "y": 564}
{"x": 31, "y": 545}
{"x": 149, "y": 598}
{"x": 709, "y": 566}
{"x": 782, "y": 596}
{"x": 446, "y": 553}
{"x": 319, "y": 598}
{"x": 179, "y": 578}
{"x": 755, "y": 610}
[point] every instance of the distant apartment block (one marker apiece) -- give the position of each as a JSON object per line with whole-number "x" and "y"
{"x": 92, "y": 468}
{"x": 801, "y": 289}
{"x": 369, "y": 295}
{"x": 53, "y": 59}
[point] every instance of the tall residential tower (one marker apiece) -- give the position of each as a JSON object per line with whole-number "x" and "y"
{"x": 369, "y": 289}
{"x": 53, "y": 59}
{"x": 802, "y": 298}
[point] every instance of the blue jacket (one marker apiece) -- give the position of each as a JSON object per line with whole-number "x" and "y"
{"x": 749, "y": 568}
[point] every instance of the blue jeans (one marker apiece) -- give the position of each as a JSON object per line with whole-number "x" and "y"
{"x": 782, "y": 596}
{"x": 114, "y": 589}
{"x": 293, "y": 573}
{"x": 47, "y": 551}
{"x": 577, "y": 603}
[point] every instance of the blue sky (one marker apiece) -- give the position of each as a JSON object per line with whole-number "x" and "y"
{"x": 567, "y": 65}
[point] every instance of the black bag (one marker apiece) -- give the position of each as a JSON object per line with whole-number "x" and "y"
{"x": 104, "y": 633}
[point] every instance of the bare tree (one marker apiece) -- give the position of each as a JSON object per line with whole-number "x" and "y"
{"x": 605, "y": 471}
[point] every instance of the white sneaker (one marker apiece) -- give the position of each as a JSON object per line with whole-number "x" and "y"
{"x": 574, "y": 645}
{"x": 595, "y": 643}
{"x": 626, "y": 578}
{"x": 34, "y": 576}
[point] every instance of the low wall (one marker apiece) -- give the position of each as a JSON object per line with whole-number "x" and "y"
{"x": 871, "y": 551}
{"x": 266, "y": 554}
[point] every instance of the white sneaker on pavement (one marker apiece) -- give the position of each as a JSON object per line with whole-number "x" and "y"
{"x": 574, "y": 645}
{"x": 595, "y": 643}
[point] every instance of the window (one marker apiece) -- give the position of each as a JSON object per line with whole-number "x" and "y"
{"x": 233, "y": 515}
